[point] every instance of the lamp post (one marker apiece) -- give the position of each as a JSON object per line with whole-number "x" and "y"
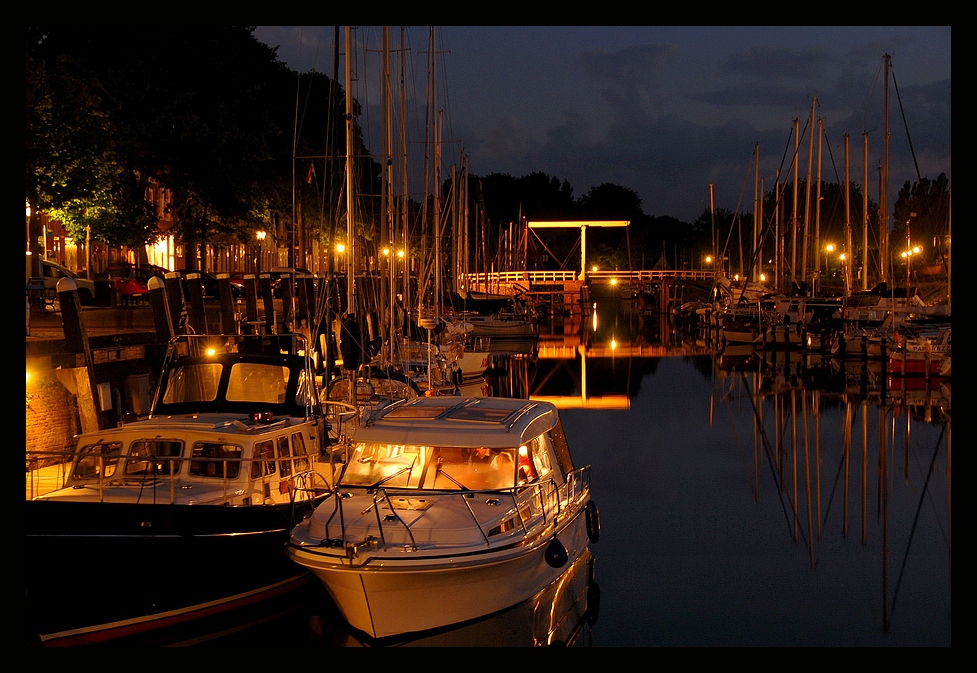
{"x": 259, "y": 246}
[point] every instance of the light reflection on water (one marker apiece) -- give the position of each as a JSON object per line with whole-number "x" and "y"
{"x": 768, "y": 500}
{"x": 746, "y": 499}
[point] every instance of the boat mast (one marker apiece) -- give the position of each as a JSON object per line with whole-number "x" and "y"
{"x": 807, "y": 198}
{"x": 884, "y": 184}
{"x": 350, "y": 228}
{"x": 865, "y": 213}
{"x": 387, "y": 225}
{"x": 796, "y": 168}
{"x": 848, "y": 248}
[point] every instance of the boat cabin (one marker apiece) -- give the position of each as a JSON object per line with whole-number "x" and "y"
{"x": 231, "y": 424}
{"x": 447, "y": 443}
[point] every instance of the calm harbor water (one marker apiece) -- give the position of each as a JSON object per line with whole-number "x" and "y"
{"x": 746, "y": 499}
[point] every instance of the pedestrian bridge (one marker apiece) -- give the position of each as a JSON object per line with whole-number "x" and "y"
{"x": 529, "y": 279}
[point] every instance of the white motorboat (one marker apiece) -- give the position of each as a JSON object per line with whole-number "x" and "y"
{"x": 450, "y": 509}
{"x": 183, "y": 514}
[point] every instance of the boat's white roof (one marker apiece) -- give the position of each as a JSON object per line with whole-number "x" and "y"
{"x": 213, "y": 427}
{"x": 494, "y": 422}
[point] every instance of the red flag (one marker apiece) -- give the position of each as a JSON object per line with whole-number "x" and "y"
{"x": 308, "y": 178}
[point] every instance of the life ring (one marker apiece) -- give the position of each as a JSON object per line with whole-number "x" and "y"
{"x": 593, "y": 521}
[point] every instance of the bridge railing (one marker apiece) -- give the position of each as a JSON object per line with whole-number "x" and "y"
{"x": 544, "y": 277}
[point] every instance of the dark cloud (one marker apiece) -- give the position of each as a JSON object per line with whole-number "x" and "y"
{"x": 668, "y": 110}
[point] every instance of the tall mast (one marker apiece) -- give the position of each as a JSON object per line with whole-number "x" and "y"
{"x": 848, "y": 248}
{"x": 386, "y": 229}
{"x": 884, "y": 183}
{"x": 807, "y": 190}
{"x": 865, "y": 213}
{"x": 350, "y": 227}
{"x": 796, "y": 162}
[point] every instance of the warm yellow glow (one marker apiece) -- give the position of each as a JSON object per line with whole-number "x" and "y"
{"x": 523, "y": 451}
{"x": 211, "y": 352}
{"x": 386, "y": 252}
{"x": 613, "y": 281}
{"x": 708, "y": 259}
{"x": 763, "y": 277}
{"x": 595, "y": 316}
{"x": 613, "y": 344}
{"x": 400, "y": 254}
{"x": 593, "y": 268}
{"x": 340, "y": 248}
{"x": 830, "y": 247}
{"x": 28, "y": 208}
{"x": 260, "y": 235}
{"x": 578, "y": 223}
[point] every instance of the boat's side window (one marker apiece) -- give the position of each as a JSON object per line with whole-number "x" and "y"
{"x": 214, "y": 459}
{"x": 285, "y": 458}
{"x": 539, "y": 451}
{"x": 153, "y": 457}
{"x": 300, "y": 452}
{"x": 264, "y": 459}
{"x": 96, "y": 459}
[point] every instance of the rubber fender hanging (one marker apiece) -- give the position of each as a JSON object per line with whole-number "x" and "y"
{"x": 593, "y": 521}
{"x": 556, "y": 554}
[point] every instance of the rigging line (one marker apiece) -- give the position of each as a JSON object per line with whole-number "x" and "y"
{"x": 912, "y": 532}
{"x": 905, "y": 124}
{"x": 562, "y": 264}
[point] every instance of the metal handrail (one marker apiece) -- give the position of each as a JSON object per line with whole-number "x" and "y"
{"x": 577, "y": 484}
{"x": 297, "y": 480}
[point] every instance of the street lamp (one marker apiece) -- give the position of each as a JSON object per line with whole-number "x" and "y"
{"x": 260, "y": 237}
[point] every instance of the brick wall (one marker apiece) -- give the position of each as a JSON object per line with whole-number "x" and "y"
{"x": 52, "y": 414}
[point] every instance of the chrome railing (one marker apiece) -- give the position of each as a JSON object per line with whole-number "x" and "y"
{"x": 547, "y": 500}
{"x": 51, "y": 470}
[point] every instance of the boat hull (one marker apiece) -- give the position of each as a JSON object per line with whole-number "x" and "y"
{"x": 99, "y": 572}
{"x": 399, "y": 592}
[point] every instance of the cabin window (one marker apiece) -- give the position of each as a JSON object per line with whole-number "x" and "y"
{"x": 476, "y": 469}
{"x": 149, "y": 457}
{"x": 214, "y": 459}
{"x": 560, "y": 447}
{"x": 251, "y": 382}
{"x": 300, "y": 452}
{"x": 264, "y": 459}
{"x": 95, "y": 458}
{"x": 539, "y": 452}
{"x": 193, "y": 383}
{"x": 395, "y": 465}
{"x": 283, "y": 453}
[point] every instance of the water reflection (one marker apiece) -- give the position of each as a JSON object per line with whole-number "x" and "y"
{"x": 748, "y": 498}
{"x": 843, "y": 464}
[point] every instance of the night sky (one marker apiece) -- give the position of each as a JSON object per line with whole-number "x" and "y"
{"x": 662, "y": 110}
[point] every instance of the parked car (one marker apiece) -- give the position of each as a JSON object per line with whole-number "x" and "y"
{"x": 132, "y": 282}
{"x": 210, "y": 284}
{"x": 53, "y": 272}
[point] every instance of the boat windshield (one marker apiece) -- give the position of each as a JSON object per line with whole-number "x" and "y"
{"x": 193, "y": 383}
{"x": 431, "y": 467}
{"x": 96, "y": 460}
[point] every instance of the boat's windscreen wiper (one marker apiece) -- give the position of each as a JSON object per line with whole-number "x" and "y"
{"x": 377, "y": 484}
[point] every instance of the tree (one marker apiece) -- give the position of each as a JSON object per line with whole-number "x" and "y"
{"x": 187, "y": 108}
{"x": 923, "y": 208}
